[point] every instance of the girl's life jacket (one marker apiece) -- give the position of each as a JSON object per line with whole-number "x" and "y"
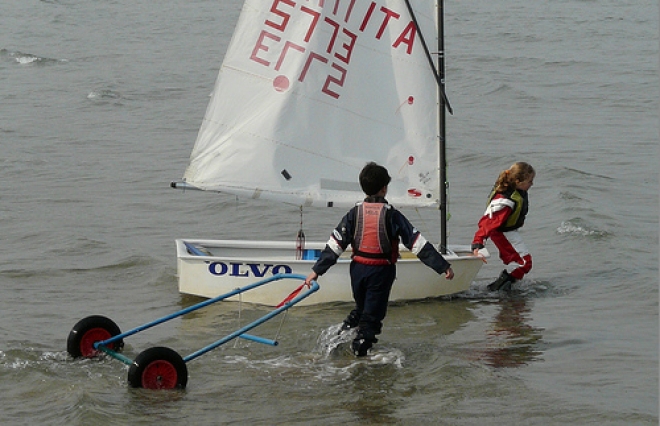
{"x": 516, "y": 200}
{"x": 506, "y": 212}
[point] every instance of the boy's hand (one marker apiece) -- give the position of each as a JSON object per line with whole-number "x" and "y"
{"x": 311, "y": 277}
{"x": 449, "y": 274}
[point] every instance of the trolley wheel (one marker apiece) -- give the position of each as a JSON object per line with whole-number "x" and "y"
{"x": 158, "y": 368}
{"x": 90, "y": 330}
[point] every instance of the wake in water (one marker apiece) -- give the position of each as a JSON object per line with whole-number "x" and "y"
{"x": 334, "y": 343}
{"x": 331, "y": 358}
{"x": 522, "y": 288}
{"x": 580, "y": 228}
{"x": 28, "y": 58}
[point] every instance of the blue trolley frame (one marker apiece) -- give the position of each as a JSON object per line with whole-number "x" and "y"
{"x": 242, "y": 332}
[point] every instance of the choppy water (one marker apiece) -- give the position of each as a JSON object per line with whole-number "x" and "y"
{"x": 100, "y": 102}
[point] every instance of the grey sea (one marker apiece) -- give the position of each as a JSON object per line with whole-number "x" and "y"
{"x": 100, "y": 103}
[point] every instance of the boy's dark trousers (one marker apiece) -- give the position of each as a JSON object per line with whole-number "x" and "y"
{"x": 371, "y": 290}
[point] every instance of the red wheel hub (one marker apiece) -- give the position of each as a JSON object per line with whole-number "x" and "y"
{"x": 159, "y": 375}
{"x": 92, "y": 336}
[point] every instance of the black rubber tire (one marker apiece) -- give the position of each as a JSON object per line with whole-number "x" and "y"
{"x": 87, "y": 331}
{"x": 158, "y": 368}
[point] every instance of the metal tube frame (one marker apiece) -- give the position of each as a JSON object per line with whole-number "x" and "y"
{"x": 242, "y": 332}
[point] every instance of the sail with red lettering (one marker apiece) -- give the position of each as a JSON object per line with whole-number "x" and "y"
{"x": 310, "y": 91}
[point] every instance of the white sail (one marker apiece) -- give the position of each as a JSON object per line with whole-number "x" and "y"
{"x": 309, "y": 91}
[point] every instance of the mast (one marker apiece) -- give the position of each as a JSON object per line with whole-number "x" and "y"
{"x": 443, "y": 103}
{"x": 441, "y": 135}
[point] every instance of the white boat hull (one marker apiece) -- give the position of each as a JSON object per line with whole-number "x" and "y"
{"x": 209, "y": 268}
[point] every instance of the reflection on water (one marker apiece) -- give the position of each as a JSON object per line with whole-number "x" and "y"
{"x": 512, "y": 342}
{"x": 372, "y": 387}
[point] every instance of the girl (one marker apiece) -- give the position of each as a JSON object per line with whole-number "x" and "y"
{"x": 506, "y": 211}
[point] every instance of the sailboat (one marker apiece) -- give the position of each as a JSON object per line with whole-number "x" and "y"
{"x": 307, "y": 94}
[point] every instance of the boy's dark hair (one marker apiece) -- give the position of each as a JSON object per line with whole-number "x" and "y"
{"x": 373, "y": 178}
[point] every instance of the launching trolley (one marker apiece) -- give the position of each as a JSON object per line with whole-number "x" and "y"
{"x": 161, "y": 367}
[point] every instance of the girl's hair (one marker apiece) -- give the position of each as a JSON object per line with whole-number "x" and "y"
{"x": 518, "y": 172}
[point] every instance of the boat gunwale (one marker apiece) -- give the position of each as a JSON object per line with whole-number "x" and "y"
{"x": 460, "y": 252}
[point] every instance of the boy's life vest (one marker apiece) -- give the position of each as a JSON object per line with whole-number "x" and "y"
{"x": 372, "y": 243}
{"x": 519, "y": 210}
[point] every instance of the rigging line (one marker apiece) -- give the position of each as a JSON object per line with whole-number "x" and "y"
{"x": 279, "y": 329}
{"x": 430, "y": 58}
{"x": 240, "y": 309}
{"x": 300, "y": 238}
{"x": 421, "y": 219}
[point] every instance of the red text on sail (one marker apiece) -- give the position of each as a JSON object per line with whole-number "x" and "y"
{"x": 303, "y": 38}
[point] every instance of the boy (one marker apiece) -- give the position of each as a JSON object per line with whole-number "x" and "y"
{"x": 374, "y": 228}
